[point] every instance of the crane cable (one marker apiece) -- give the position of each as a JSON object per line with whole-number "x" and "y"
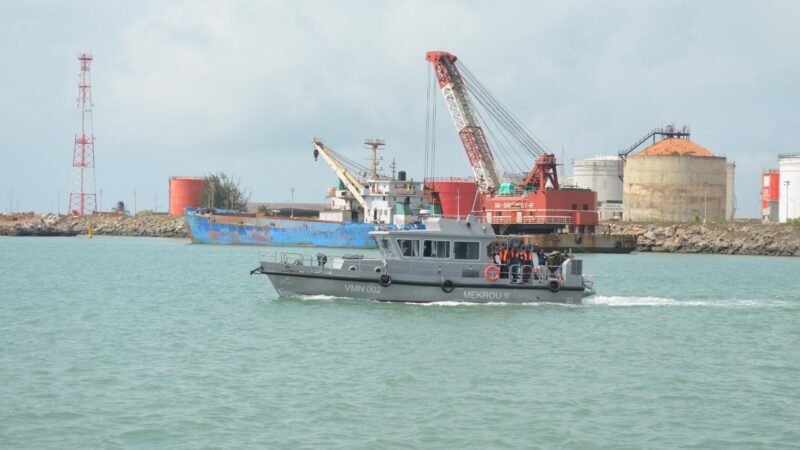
{"x": 502, "y": 116}
{"x": 489, "y": 101}
{"x": 430, "y": 127}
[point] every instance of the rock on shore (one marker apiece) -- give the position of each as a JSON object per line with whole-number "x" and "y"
{"x": 153, "y": 225}
{"x": 736, "y": 238}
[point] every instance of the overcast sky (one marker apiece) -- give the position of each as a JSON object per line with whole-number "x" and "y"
{"x": 192, "y": 87}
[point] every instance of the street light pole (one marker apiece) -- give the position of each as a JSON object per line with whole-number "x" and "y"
{"x": 292, "y": 204}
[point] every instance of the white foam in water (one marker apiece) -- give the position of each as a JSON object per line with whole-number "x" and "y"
{"x": 455, "y": 303}
{"x": 322, "y": 297}
{"x": 638, "y": 301}
{"x": 660, "y": 301}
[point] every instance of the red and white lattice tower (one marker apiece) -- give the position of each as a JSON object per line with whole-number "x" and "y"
{"x": 82, "y": 197}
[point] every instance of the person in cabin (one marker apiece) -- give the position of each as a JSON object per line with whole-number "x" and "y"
{"x": 407, "y": 248}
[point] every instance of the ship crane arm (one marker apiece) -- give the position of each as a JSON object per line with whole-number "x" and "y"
{"x": 350, "y": 181}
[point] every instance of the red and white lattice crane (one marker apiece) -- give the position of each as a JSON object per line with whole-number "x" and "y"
{"x": 479, "y": 153}
{"x": 525, "y": 199}
{"x": 469, "y": 130}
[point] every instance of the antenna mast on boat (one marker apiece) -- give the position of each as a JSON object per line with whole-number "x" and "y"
{"x": 375, "y": 145}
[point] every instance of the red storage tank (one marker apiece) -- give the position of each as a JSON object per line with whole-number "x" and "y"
{"x": 457, "y": 195}
{"x": 184, "y": 192}
{"x": 770, "y": 187}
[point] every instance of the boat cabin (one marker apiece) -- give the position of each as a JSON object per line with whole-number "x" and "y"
{"x": 438, "y": 239}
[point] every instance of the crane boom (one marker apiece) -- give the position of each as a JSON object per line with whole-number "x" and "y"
{"x": 350, "y": 181}
{"x": 455, "y": 95}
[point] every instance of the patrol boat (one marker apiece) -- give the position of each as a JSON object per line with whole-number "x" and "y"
{"x": 438, "y": 259}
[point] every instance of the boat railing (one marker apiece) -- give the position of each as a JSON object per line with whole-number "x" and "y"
{"x": 317, "y": 262}
{"x": 320, "y": 262}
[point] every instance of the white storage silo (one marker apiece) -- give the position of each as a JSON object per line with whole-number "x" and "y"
{"x": 602, "y": 174}
{"x": 789, "y": 197}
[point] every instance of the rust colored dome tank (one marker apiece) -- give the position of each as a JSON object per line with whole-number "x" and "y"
{"x": 457, "y": 195}
{"x": 184, "y": 192}
{"x": 675, "y": 147}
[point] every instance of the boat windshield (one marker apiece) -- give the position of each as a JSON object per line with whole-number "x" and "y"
{"x": 387, "y": 248}
{"x": 409, "y": 247}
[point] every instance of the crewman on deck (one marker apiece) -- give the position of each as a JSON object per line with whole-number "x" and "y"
{"x": 527, "y": 263}
{"x": 515, "y": 262}
{"x": 505, "y": 260}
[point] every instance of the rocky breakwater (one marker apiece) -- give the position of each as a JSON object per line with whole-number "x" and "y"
{"x": 723, "y": 238}
{"x": 152, "y": 225}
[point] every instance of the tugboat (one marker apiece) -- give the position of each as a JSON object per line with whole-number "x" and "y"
{"x": 437, "y": 259}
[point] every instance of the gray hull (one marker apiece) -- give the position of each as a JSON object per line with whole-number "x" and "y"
{"x": 293, "y": 285}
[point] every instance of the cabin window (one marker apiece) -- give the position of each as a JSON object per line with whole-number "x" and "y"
{"x": 436, "y": 249}
{"x": 387, "y": 248}
{"x": 466, "y": 250}
{"x": 409, "y": 247}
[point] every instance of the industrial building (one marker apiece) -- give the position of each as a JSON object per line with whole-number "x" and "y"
{"x": 789, "y": 187}
{"x": 676, "y": 180}
{"x": 602, "y": 174}
{"x": 770, "y": 185}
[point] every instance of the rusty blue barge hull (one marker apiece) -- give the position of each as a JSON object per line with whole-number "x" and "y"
{"x": 235, "y": 228}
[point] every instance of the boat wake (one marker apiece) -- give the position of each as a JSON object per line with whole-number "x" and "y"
{"x": 601, "y": 300}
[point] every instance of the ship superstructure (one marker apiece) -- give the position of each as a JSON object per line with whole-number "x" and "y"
{"x": 367, "y": 196}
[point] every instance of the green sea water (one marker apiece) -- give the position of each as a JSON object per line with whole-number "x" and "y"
{"x": 156, "y": 343}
